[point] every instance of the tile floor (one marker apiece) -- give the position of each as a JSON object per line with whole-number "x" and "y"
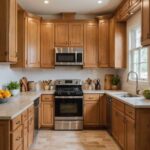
{"x": 74, "y": 140}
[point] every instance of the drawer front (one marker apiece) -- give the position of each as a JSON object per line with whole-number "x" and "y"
{"x": 17, "y": 138}
{"x": 91, "y": 96}
{"x": 130, "y": 111}
{"x": 47, "y": 98}
{"x": 24, "y": 116}
{"x": 16, "y": 123}
{"x": 30, "y": 111}
{"x": 118, "y": 105}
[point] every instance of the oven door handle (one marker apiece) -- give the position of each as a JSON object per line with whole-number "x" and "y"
{"x": 68, "y": 97}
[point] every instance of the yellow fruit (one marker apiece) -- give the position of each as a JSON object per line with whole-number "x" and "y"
{"x": 6, "y": 94}
{"x": 1, "y": 96}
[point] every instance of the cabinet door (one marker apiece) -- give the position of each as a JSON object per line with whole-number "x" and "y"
{"x": 47, "y": 45}
{"x": 47, "y": 114}
{"x": 145, "y": 22}
{"x": 25, "y": 136}
{"x": 121, "y": 129}
{"x": 104, "y": 43}
{"x": 130, "y": 134}
{"x": 91, "y": 113}
{"x": 103, "y": 110}
{"x": 114, "y": 123}
{"x": 76, "y": 34}
{"x": 61, "y": 34}
{"x": 13, "y": 31}
{"x": 33, "y": 42}
{"x": 91, "y": 45}
{"x": 30, "y": 131}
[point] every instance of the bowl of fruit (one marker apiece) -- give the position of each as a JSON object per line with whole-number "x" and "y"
{"x": 4, "y": 96}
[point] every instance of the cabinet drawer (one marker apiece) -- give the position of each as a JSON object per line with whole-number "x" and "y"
{"x": 15, "y": 123}
{"x": 118, "y": 105}
{"x": 130, "y": 111}
{"x": 24, "y": 116}
{"x": 91, "y": 96}
{"x": 47, "y": 98}
{"x": 31, "y": 111}
{"x": 17, "y": 138}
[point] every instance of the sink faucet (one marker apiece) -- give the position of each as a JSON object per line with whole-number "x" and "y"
{"x": 132, "y": 72}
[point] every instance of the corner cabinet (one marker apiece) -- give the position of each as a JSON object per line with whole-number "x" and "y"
{"x": 91, "y": 45}
{"x": 104, "y": 43}
{"x": 47, "y": 45}
{"x": 69, "y": 34}
{"x": 117, "y": 44}
{"x": 8, "y": 31}
{"x": 145, "y": 39}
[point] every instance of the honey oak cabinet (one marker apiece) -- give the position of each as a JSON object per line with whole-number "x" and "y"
{"x": 18, "y": 133}
{"x": 145, "y": 39}
{"x": 28, "y": 40}
{"x": 33, "y": 42}
{"x": 76, "y": 34}
{"x": 127, "y": 9}
{"x": 8, "y": 31}
{"x": 47, "y": 45}
{"x": 117, "y": 44}
{"x": 47, "y": 111}
{"x": 69, "y": 34}
{"x": 91, "y": 110}
{"x": 104, "y": 43}
{"x": 91, "y": 45}
{"x": 61, "y": 34}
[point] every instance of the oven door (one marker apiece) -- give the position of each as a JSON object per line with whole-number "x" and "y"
{"x": 68, "y": 107}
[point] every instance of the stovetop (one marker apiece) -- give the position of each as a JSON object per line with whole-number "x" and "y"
{"x": 68, "y": 88}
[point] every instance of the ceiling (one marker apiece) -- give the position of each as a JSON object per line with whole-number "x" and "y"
{"x": 78, "y": 6}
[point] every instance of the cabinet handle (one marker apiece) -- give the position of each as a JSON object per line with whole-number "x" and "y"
{"x": 18, "y": 122}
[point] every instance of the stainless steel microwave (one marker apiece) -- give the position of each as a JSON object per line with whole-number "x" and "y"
{"x": 68, "y": 56}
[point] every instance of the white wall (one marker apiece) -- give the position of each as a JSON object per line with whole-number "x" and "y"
{"x": 130, "y": 86}
{"x": 7, "y": 74}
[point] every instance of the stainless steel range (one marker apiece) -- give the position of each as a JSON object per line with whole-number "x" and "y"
{"x": 68, "y": 105}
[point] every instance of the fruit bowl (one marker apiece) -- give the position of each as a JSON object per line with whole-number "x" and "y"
{"x": 146, "y": 94}
{"x": 4, "y": 100}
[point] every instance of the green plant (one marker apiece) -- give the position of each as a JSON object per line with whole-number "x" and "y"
{"x": 13, "y": 85}
{"x": 146, "y": 94}
{"x": 115, "y": 80}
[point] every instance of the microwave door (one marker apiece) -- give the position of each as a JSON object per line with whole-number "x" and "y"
{"x": 65, "y": 58}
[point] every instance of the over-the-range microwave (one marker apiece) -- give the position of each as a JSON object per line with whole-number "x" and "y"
{"x": 66, "y": 56}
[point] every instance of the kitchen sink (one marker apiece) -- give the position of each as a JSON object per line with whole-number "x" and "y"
{"x": 127, "y": 95}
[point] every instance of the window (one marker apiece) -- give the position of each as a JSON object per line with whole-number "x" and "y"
{"x": 138, "y": 56}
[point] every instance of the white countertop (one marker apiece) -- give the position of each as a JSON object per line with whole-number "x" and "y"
{"x": 20, "y": 103}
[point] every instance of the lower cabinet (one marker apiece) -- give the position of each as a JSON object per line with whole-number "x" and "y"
{"x": 47, "y": 111}
{"x": 17, "y": 134}
{"x": 94, "y": 110}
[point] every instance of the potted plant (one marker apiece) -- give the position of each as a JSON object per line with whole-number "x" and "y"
{"x": 115, "y": 82}
{"x": 146, "y": 93}
{"x": 14, "y": 88}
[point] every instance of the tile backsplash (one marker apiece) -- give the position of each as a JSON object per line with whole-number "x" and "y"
{"x": 7, "y": 74}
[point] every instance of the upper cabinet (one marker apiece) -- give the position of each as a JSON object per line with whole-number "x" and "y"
{"x": 145, "y": 39}
{"x": 61, "y": 34}
{"x": 8, "y": 31}
{"x": 69, "y": 34}
{"x": 33, "y": 42}
{"x": 127, "y": 9}
{"x": 76, "y": 34}
{"x": 104, "y": 43}
{"x": 28, "y": 40}
{"x": 117, "y": 44}
{"x": 91, "y": 45}
{"x": 47, "y": 45}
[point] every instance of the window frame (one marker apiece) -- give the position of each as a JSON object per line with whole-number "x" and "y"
{"x": 130, "y": 56}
